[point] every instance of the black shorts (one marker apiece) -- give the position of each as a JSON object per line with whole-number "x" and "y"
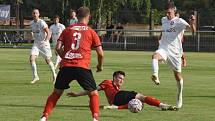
{"x": 83, "y": 76}
{"x": 123, "y": 97}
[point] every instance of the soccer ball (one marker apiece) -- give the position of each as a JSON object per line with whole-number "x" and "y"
{"x": 135, "y": 105}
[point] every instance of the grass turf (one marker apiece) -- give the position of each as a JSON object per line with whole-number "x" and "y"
{"x": 22, "y": 101}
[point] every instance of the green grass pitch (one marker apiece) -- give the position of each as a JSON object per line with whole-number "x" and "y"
{"x": 22, "y": 101}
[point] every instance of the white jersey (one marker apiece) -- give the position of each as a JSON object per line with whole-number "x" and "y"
{"x": 37, "y": 28}
{"x": 172, "y": 31}
{"x": 56, "y": 30}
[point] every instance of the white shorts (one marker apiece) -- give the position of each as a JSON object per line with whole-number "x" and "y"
{"x": 43, "y": 48}
{"x": 174, "y": 61}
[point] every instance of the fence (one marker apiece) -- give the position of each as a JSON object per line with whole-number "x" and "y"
{"x": 201, "y": 41}
{"x": 15, "y": 38}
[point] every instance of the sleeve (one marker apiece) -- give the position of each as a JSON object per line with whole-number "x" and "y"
{"x": 182, "y": 24}
{"x": 96, "y": 40}
{"x": 44, "y": 25}
{"x": 103, "y": 85}
{"x": 63, "y": 27}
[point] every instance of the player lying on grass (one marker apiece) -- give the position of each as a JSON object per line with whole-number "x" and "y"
{"x": 118, "y": 99}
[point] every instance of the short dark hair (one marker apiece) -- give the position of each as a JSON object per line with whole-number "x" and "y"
{"x": 71, "y": 10}
{"x": 56, "y": 16}
{"x": 170, "y": 5}
{"x": 118, "y": 72}
{"x": 83, "y": 12}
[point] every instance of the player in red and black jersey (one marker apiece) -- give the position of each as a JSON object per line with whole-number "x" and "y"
{"x": 74, "y": 47}
{"x": 118, "y": 99}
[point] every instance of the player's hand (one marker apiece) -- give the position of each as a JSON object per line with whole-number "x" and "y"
{"x": 72, "y": 94}
{"x": 192, "y": 19}
{"x": 99, "y": 68}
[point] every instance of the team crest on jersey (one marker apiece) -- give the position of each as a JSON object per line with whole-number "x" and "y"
{"x": 172, "y": 22}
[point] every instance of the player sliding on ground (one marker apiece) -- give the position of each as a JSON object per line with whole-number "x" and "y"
{"x": 118, "y": 99}
{"x": 170, "y": 47}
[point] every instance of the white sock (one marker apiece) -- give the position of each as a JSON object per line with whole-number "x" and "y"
{"x": 51, "y": 65}
{"x": 155, "y": 67}
{"x": 179, "y": 93}
{"x": 58, "y": 59}
{"x": 34, "y": 69}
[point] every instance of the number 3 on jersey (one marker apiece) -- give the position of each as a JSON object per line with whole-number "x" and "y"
{"x": 77, "y": 38}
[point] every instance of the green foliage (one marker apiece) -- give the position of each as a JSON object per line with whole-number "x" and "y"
{"x": 109, "y": 9}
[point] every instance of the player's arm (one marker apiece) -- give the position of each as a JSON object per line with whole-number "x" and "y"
{"x": 48, "y": 34}
{"x": 77, "y": 94}
{"x": 81, "y": 93}
{"x": 50, "y": 31}
{"x": 192, "y": 21}
{"x": 32, "y": 35}
{"x": 121, "y": 107}
{"x": 100, "y": 58}
{"x": 59, "y": 48}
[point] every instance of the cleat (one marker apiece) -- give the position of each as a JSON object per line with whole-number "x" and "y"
{"x": 177, "y": 109}
{"x": 155, "y": 79}
{"x": 43, "y": 119}
{"x": 35, "y": 80}
{"x": 168, "y": 107}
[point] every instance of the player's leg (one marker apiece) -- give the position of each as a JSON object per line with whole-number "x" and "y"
{"x": 33, "y": 55}
{"x": 86, "y": 81}
{"x": 58, "y": 59}
{"x": 154, "y": 102}
{"x": 52, "y": 68}
{"x": 94, "y": 104}
{"x": 179, "y": 82}
{"x": 64, "y": 77}
{"x": 47, "y": 54}
{"x": 51, "y": 103}
{"x": 175, "y": 63}
{"x": 184, "y": 60}
{"x": 160, "y": 54}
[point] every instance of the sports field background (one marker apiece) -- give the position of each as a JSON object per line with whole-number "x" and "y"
{"x": 22, "y": 101}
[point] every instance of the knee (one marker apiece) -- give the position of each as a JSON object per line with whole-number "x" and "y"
{"x": 31, "y": 60}
{"x": 140, "y": 97}
{"x": 95, "y": 92}
{"x": 178, "y": 77}
{"x": 155, "y": 56}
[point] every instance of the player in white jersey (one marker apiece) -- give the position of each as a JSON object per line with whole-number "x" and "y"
{"x": 41, "y": 36}
{"x": 170, "y": 47}
{"x": 56, "y": 29}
